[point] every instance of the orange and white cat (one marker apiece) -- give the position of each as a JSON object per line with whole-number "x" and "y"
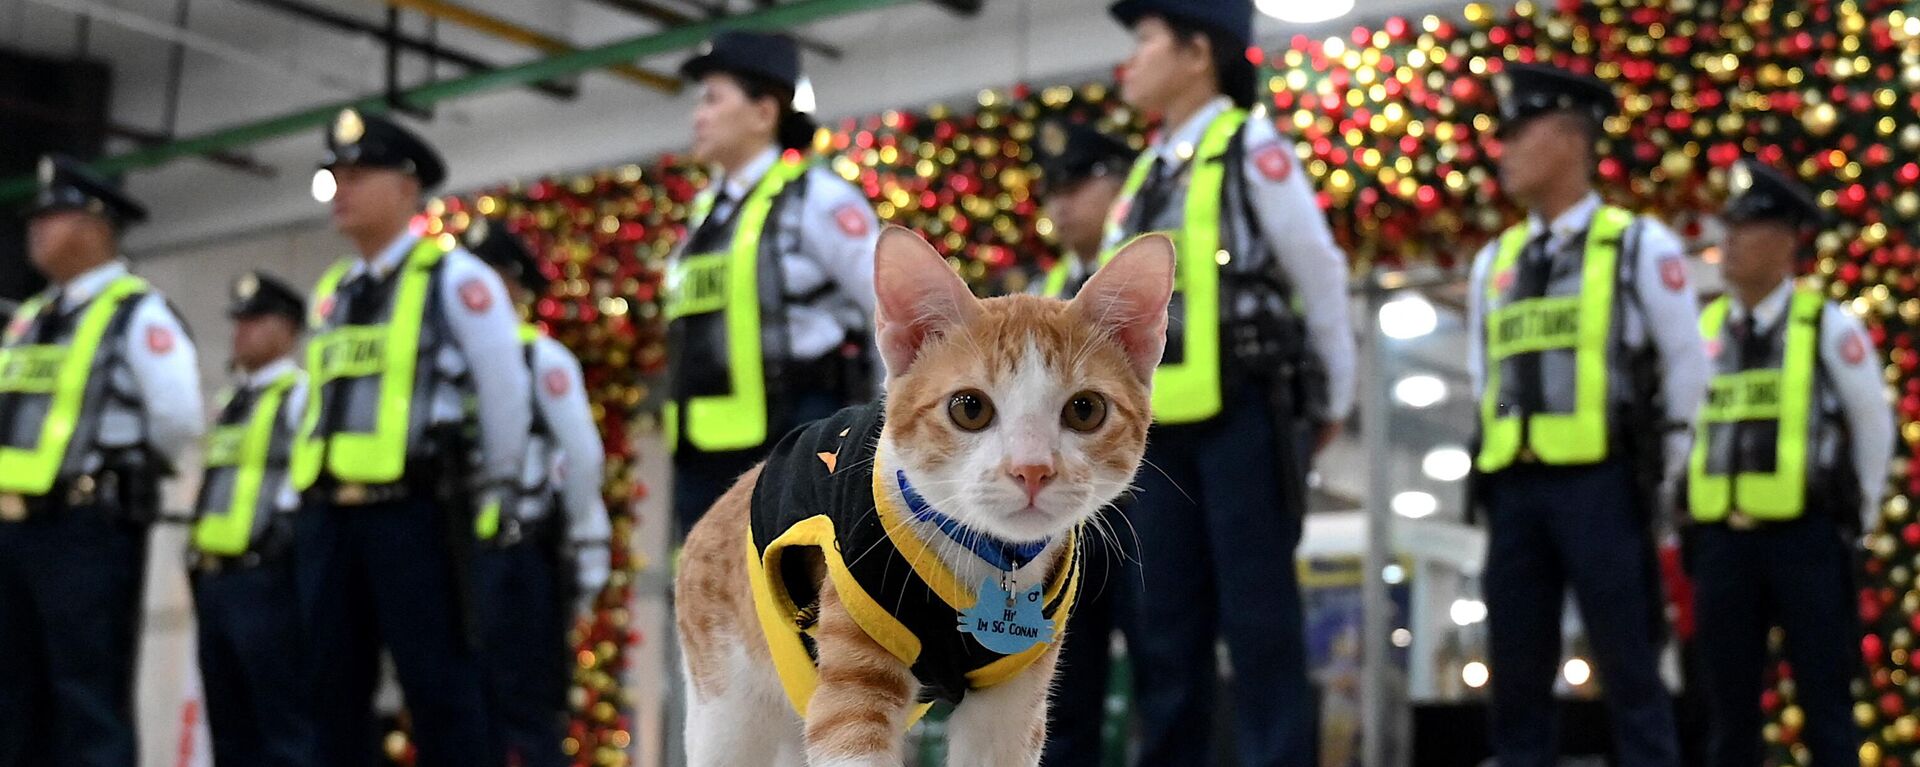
{"x": 1009, "y": 424}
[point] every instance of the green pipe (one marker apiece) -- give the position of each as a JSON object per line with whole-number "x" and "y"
{"x": 773, "y": 17}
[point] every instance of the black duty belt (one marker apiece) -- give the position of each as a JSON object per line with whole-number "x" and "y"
{"x": 82, "y": 490}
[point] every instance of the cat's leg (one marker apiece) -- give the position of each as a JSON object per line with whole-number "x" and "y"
{"x": 1004, "y": 725}
{"x": 730, "y": 712}
{"x": 858, "y": 714}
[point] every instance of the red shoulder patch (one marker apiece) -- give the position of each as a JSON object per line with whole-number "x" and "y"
{"x": 326, "y": 306}
{"x": 1673, "y": 273}
{"x": 1274, "y": 161}
{"x": 557, "y": 382}
{"x": 474, "y": 294}
{"x": 1503, "y": 281}
{"x": 852, "y": 220}
{"x": 159, "y": 339}
{"x": 1713, "y": 348}
{"x": 1853, "y": 350}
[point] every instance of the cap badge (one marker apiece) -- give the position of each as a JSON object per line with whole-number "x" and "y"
{"x": 1741, "y": 179}
{"x": 245, "y": 287}
{"x": 348, "y": 127}
{"x": 46, "y": 170}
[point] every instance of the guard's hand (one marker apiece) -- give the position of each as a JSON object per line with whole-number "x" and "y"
{"x": 592, "y": 562}
{"x": 1325, "y": 436}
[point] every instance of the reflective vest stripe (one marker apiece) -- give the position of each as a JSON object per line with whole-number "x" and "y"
{"x": 391, "y": 352}
{"x": 1189, "y": 391}
{"x": 1056, "y": 284}
{"x": 1532, "y": 325}
{"x": 61, "y": 372}
{"x": 246, "y": 448}
{"x": 1783, "y": 395}
{"x": 729, "y": 282}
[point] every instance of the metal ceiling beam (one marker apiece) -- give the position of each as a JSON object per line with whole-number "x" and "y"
{"x": 351, "y": 24}
{"x": 141, "y": 136}
{"x": 509, "y": 31}
{"x": 783, "y": 16}
{"x": 199, "y": 42}
{"x": 667, "y": 16}
{"x": 961, "y": 7}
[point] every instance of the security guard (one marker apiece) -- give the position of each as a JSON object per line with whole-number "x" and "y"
{"x": 528, "y": 579}
{"x": 405, "y": 361}
{"x": 1788, "y": 465}
{"x": 241, "y": 556}
{"x": 99, "y": 392}
{"x": 1581, "y": 344}
{"x": 1258, "y": 372}
{"x": 768, "y": 300}
{"x": 1081, "y": 172}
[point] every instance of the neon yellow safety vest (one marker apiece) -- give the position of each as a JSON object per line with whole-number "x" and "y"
{"x": 244, "y": 448}
{"x": 1779, "y": 391}
{"x": 1582, "y": 324}
{"x": 58, "y": 372}
{"x": 1056, "y": 284}
{"x": 1188, "y": 391}
{"x": 387, "y": 352}
{"x": 728, "y": 282}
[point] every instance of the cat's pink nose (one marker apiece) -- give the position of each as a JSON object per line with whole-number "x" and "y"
{"x": 1034, "y": 476}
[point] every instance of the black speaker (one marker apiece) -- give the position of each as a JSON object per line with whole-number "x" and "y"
{"x": 46, "y": 105}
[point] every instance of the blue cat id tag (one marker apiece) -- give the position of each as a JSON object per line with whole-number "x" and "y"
{"x": 1005, "y": 623}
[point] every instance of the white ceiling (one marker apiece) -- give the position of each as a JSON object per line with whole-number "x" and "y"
{"x": 250, "y": 62}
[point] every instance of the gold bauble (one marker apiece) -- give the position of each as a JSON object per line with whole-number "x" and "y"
{"x": 1910, "y": 138}
{"x": 1863, "y": 715}
{"x": 1793, "y": 718}
{"x": 1907, "y": 204}
{"x": 1676, "y": 163}
{"x": 1822, "y": 118}
{"x": 1906, "y": 727}
{"x": 1869, "y": 754}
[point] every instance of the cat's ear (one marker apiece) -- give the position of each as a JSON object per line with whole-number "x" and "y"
{"x": 1128, "y": 296}
{"x": 917, "y": 297}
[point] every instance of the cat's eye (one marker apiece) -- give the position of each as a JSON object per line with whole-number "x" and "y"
{"x": 970, "y": 409}
{"x": 1084, "y": 411}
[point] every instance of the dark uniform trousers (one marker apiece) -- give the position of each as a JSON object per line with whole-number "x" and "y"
{"x": 1077, "y": 710}
{"x": 1551, "y": 527}
{"x": 250, "y": 659}
{"x": 700, "y": 478}
{"x": 382, "y": 575}
{"x": 528, "y": 661}
{"x": 1217, "y": 530}
{"x": 1797, "y": 575}
{"x": 70, "y": 589}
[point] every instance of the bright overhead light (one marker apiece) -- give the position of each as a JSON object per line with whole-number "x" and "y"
{"x": 1414, "y": 504}
{"x": 1420, "y": 391}
{"x": 1393, "y": 574}
{"x": 1402, "y": 637}
{"x": 1474, "y": 674}
{"x": 1576, "y": 671}
{"x": 323, "y": 185}
{"x": 1304, "y": 11}
{"x": 1408, "y": 316}
{"x": 1466, "y": 612}
{"x": 1447, "y": 464}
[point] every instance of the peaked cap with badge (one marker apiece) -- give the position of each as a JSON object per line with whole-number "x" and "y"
{"x": 1757, "y": 192}
{"x": 489, "y": 239}
{"x": 1527, "y": 91}
{"x": 66, "y": 184}
{"x": 358, "y": 139}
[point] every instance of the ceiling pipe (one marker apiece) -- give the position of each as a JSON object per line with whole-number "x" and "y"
{"x": 783, "y": 16}
{"x": 199, "y": 42}
{"x": 661, "y": 14}
{"x": 431, "y": 49}
{"x": 511, "y": 32}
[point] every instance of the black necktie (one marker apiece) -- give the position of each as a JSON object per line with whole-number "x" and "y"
{"x": 1152, "y": 198}
{"x": 1535, "y": 272}
{"x": 53, "y": 321}
{"x": 717, "y": 216}
{"x": 361, "y": 309}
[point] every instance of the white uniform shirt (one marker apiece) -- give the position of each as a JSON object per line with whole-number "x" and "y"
{"x": 1295, "y": 229}
{"x": 160, "y": 368}
{"x": 835, "y": 242}
{"x": 1663, "y": 306}
{"x": 1851, "y": 364}
{"x": 575, "y": 460}
{"x": 485, "y": 329}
